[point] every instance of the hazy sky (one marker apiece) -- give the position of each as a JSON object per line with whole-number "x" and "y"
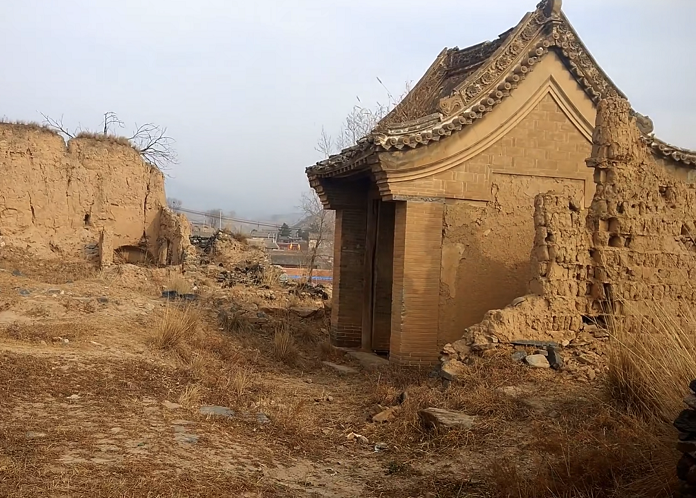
{"x": 245, "y": 87}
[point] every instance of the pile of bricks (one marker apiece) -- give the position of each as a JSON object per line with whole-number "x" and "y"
{"x": 686, "y": 424}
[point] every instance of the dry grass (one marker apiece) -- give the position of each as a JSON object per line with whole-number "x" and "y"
{"x": 191, "y": 396}
{"x": 111, "y": 139}
{"x": 652, "y": 364}
{"x": 234, "y": 322}
{"x": 240, "y": 381}
{"x": 28, "y": 125}
{"x": 598, "y": 453}
{"x": 49, "y": 333}
{"x": 284, "y": 347}
{"x": 240, "y": 237}
{"x": 179, "y": 284}
{"x": 270, "y": 277}
{"x": 621, "y": 443}
{"x": 174, "y": 326}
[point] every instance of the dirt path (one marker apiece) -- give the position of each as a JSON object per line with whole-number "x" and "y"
{"x": 91, "y": 406}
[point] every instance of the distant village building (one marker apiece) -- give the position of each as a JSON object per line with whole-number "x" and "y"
{"x": 434, "y": 209}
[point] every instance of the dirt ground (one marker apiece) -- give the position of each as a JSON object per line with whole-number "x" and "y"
{"x": 94, "y": 403}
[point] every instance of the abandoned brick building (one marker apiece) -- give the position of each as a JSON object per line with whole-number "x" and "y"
{"x": 434, "y": 209}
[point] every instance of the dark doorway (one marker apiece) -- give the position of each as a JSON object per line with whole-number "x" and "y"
{"x": 377, "y": 301}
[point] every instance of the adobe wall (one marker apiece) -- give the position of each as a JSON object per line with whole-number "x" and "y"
{"x": 56, "y": 198}
{"x": 486, "y": 246}
{"x": 634, "y": 248}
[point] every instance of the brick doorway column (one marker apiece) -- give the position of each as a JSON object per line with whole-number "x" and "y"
{"x": 416, "y": 282}
{"x": 348, "y": 276}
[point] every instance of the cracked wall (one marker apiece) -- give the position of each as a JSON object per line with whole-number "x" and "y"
{"x": 56, "y": 198}
{"x": 632, "y": 250}
{"x": 486, "y": 245}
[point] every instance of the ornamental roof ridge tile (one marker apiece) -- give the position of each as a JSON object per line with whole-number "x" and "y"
{"x": 491, "y": 71}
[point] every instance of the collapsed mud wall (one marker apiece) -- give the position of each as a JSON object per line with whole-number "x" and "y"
{"x": 633, "y": 249}
{"x": 485, "y": 249}
{"x": 56, "y": 198}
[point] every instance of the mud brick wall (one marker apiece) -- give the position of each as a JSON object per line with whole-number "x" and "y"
{"x": 56, "y": 198}
{"x": 632, "y": 250}
{"x": 561, "y": 263}
{"x": 641, "y": 222}
{"x": 635, "y": 246}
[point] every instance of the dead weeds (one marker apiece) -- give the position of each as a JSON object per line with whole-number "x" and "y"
{"x": 174, "y": 326}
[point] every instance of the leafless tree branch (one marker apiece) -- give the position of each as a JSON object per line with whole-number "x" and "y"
{"x": 58, "y": 126}
{"x": 150, "y": 140}
{"x": 154, "y": 145}
{"x": 110, "y": 120}
{"x": 325, "y": 144}
{"x": 320, "y": 225}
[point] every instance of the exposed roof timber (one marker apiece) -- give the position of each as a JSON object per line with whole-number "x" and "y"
{"x": 493, "y": 71}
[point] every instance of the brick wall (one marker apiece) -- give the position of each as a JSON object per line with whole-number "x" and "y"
{"x": 349, "y": 198}
{"x": 487, "y": 246}
{"x": 349, "y": 277}
{"x": 416, "y": 282}
{"x": 545, "y": 143}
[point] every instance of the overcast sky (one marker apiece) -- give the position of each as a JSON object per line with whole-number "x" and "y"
{"x": 245, "y": 87}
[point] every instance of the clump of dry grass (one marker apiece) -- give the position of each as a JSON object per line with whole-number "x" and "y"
{"x": 179, "y": 284}
{"x": 174, "y": 326}
{"x": 270, "y": 277}
{"x": 238, "y": 381}
{"x": 235, "y": 322}
{"x": 191, "y": 396}
{"x": 240, "y": 237}
{"x": 652, "y": 364}
{"x": 284, "y": 347}
{"x": 112, "y": 139}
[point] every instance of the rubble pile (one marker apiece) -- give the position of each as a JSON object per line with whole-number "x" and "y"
{"x": 686, "y": 424}
{"x": 582, "y": 358}
{"x": 248, "y": 273}
{"x": 307, "y": 290}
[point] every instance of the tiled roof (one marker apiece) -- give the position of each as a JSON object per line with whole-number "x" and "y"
{"x": 464, "y": 85}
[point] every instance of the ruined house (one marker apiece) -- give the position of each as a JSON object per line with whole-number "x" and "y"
{"x": 625, "y": 263}
{"x": 92, "y": 197}
{"x": 435, "y": 208}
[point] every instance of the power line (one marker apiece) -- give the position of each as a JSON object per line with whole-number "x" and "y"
{"x": 227, "y": 218}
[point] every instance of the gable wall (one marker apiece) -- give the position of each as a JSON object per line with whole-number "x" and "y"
{"x": 487, "y": 245}
{"x": 631, "y": 255}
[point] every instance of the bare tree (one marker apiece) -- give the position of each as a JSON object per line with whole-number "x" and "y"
{"x": 174, "y": 203}
{"x": 155, "y": 147}
{"x": 111, "y": 120}
{"x": 213, "y": 217}
{"x": 360, "y": 122}
{"x": 320, "y": 223}
{"x": 150, "y": 140}
{"x": 325, "y": 144}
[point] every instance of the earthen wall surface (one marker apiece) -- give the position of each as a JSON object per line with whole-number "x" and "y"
{"x": 56, "y": 198}
{"x": 632, "y": 250}
{"x": 487, "y": 245}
